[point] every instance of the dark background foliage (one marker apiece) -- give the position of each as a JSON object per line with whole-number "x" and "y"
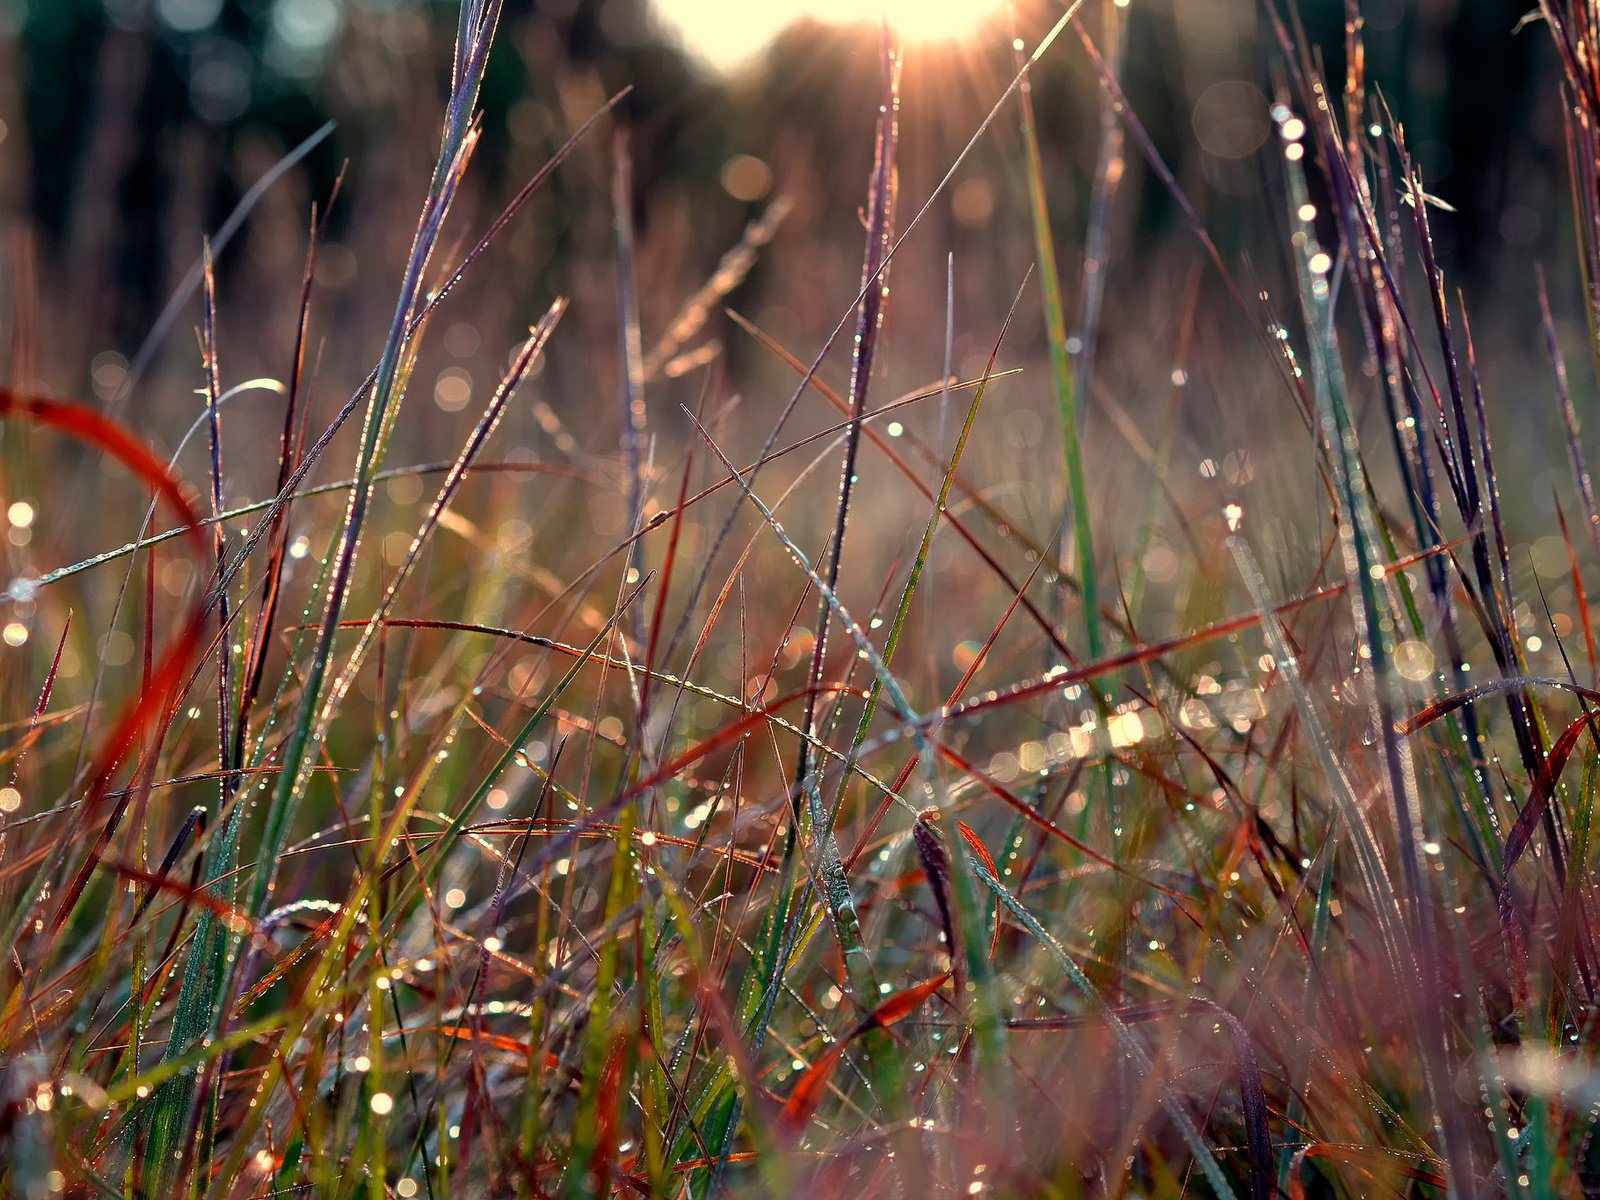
{"x": 136, "y": 125}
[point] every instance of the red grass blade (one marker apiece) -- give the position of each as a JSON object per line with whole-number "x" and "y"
{"x": 812, "y": 1086}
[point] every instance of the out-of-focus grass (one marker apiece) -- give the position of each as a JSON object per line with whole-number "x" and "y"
{"x": 729, "y": 793}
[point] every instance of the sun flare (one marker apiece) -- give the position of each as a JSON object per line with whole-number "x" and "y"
{"x": 727, "y": 34}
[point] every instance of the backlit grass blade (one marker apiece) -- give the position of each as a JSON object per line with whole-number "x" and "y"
{"x": 1063, "y": 384}
{"x": 1421, "y": 974}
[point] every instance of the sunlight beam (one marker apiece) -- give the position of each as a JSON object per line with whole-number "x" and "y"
{"x": 727, "y": 36}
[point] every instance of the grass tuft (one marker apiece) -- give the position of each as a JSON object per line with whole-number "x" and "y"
{"x": 614, "y": 818}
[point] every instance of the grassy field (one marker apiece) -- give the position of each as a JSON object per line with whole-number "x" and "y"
{"x": 1098, "y": 745}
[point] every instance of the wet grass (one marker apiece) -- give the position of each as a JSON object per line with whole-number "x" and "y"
{"x": 810, "y": 838}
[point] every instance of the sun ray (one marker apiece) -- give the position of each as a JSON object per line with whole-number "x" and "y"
{"x": 728, "y": 35}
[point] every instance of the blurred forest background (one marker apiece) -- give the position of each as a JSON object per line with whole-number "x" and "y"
{"x": 131, "y": 128}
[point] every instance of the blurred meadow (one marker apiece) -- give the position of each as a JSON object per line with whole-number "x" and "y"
{"x": 626, "y": 598}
